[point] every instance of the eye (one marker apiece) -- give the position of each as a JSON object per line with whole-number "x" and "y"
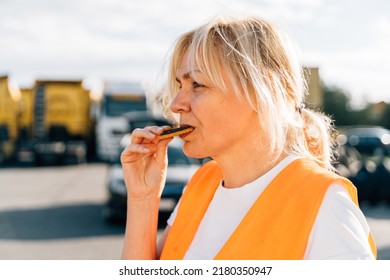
{"x": 197, "y": 85}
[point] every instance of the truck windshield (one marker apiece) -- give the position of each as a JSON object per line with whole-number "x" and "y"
{"x": 116, "y": 107}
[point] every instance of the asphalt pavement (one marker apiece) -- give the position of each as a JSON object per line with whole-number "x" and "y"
{"x": 55, "y": 213}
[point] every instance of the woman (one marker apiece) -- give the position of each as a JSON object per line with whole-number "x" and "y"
{"x": 269, "y": 192}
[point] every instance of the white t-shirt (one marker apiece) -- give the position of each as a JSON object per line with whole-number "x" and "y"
{"x": 339, "y": 232}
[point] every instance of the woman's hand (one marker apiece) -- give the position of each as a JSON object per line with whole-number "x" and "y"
{"x": 144, "y": 163}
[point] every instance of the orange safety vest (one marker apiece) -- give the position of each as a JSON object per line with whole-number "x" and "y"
{"x": 277, "y": 226}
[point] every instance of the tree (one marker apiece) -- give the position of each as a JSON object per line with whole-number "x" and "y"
{"x": 385, "y": 120}
{"x": 337, "y": 105}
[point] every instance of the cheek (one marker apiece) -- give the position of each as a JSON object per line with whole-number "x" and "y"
{"x": 232, "y": 123}
{"x": 218, "y": 128}
{"x": 213, "y": 113}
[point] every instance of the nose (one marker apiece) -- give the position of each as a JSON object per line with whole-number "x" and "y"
{"x": 181, "y": 102}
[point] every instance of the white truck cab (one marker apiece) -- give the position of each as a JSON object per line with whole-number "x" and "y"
{"x": 118, "y": 99}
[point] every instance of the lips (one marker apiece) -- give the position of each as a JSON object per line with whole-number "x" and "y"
{"x": 184, "y": 125}
{"x": 187, "y": 133}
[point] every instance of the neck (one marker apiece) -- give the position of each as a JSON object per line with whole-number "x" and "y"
{"x": 246, "y": 166}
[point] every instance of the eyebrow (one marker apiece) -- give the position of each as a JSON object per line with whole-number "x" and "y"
{"x": 187, "y": 75}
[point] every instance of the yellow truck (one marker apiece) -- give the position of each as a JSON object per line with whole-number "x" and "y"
{"x": 56, "y": 124}
{"x": 9, "y": 110}
{"x": 26, "y": 113}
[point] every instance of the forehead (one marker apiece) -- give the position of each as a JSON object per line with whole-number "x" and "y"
{"x": 186, "y": 66}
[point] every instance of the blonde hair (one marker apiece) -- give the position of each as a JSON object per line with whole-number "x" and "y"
{"x": 263, "y": 67}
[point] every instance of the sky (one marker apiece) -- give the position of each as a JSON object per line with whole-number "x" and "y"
{"x": 125, "y": 40}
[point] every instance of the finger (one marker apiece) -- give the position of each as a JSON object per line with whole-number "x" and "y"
{"x": 161, "y": 152}
{"x": 155, "y": 129}
{"x": 132, "y": 149}
{"x": 134, "y": 152}
{"x": 166, "y": 127}
{"x": 139, "y": 135}
{"x": 158, "y": 130}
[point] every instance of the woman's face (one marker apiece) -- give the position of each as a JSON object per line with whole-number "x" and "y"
{"x": 222, "y": 122}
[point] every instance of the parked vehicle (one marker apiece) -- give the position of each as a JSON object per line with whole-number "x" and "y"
{"x": 142, "y": 119}
{"x": 56, "y": 125}
{"x": 180, "y": 170}
{"x": 26, "y": 115}
{"x": 9, "y": 111}
{"x": 370, "y": 169}
{"x": 118, "y": 99}
{"x": 372, "y": 179}
{"x": 368, "y": 140}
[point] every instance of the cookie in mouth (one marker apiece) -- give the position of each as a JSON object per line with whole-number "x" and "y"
{"x": 176, "y": 131}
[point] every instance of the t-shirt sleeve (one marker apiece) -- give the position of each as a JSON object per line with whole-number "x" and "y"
{"x": 340, "y": 231}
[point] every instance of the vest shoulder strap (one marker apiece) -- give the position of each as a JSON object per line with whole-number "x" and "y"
{"x": 193, "y": 205}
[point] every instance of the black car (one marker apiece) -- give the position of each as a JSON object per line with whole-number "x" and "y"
{"x": 368, "y": 140}
{"x": 180, "y": 170}
{"x": 364, "y": 160}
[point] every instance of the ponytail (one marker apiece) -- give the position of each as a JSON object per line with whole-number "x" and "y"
{"x": 317, "y": 132}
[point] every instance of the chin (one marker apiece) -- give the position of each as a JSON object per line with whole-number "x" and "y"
{"x": 194, "y": 152}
